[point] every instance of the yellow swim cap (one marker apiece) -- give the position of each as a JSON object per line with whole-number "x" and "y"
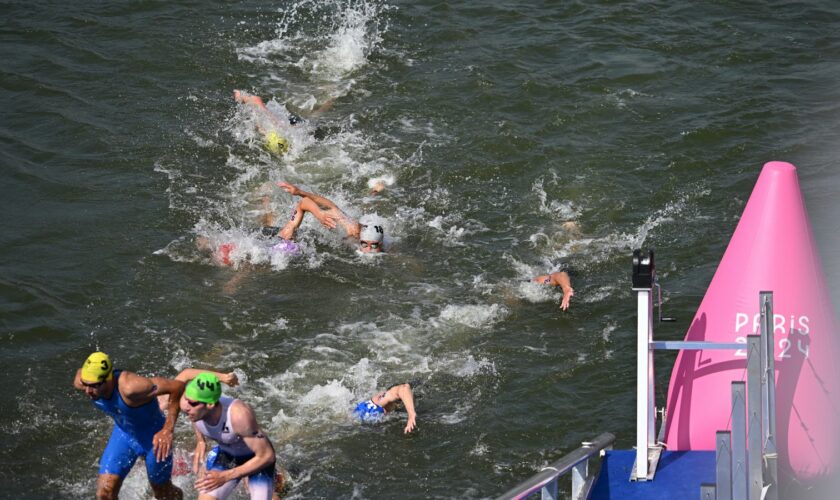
{"x": 276, "y": 144}
{"x": 97, "y": 368}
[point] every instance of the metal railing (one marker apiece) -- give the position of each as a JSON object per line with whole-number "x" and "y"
{"x": 577, "y": 462}
{"x": 746, "y": 457}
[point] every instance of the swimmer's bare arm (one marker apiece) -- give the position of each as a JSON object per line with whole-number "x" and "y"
{"x": 288, "y": 231}
{"x": 243, "y": 423}
{"x": 324, "y": 203}
{"x": 402, "y": 393}
{"x": 139, "y": 390}
{"x": 323, "y": 209}
{"x": 188, "y": 374}
{"x": 562, "y": 280}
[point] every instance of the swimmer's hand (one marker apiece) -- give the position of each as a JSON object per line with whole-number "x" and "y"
{"x": 213, "y": 479}
{"x": 289, "y": 188}
{"x": 567, "y": 296}
{"x": 162, "y": 444}
{"x": 229, "y": 379}
{"x": 377, "y": 187}
{"x": 328, "y": 220}
{"x": 410, "y": 425}
{"x": 287, "y": 233}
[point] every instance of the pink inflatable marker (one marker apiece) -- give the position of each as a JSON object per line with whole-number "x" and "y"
{"x": 772, "y": 249}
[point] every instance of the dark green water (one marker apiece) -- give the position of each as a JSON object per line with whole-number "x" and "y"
{"x": 643, "y": 123}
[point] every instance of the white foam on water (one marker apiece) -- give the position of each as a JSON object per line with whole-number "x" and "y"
{"x": 610, "y": 327}
{"x": 460, "y": 414}
{"x": 620, "y": 243}
{"x": 536, "y": 292}
{"x": 480, "y": 449}
{"x": 328, "y": 41}
{"x": 472, "y": 315}
{"x": 464, "y": 366}
{"x": 450, "y": 234}
{"x": 348, "y": 47}
{"x": 563, "y": 210}
{"x": 330, "y": 398}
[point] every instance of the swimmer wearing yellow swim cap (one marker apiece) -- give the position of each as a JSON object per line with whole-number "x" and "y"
{"x": 140, "y": 427}
{"x": 276, "y": 144}
{"x": 97, "y": 368}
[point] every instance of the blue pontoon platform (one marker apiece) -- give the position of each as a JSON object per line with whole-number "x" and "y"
{"x": 680, "y": 474}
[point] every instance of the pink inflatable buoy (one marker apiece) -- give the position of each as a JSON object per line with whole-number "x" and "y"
{"x": 772, "y": 249}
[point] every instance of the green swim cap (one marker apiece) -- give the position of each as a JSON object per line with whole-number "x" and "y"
{"x": 205, "y": 388}
{"x": 276, "y": 143}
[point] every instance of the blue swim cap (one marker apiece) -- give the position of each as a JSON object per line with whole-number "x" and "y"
{"x": 369, "y": 412}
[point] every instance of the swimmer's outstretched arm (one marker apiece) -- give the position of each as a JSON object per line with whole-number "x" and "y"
{"x": 407, "y": 397}
{"x": 188, "y": 374}
{"x": 293, "y": 190}
{"x": 562, "y": 280}
{"x": 396, "y": 393}
{"x": 323, "y": 209}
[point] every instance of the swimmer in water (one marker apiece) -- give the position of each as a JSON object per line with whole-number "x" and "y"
{"x": 561, "y": 279}
{"x": 243, "y": 450}
{"x": 370, "y": 236}
{"x": 382, "y": 403}
{"x": 140, "y": 427}
{"x": 273, "y": 125}
{"x": 267, "y": 233}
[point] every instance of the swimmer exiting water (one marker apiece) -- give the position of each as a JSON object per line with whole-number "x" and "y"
{"x": 382, "y": 403}
{"x": 370, "y": 236}
{"x": 140, "y": 428}
{"x": 243, "y": 450}
{"x": 560, "y": 279}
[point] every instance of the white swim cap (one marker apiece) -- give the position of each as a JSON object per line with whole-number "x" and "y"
{"x": 371, "y": 232}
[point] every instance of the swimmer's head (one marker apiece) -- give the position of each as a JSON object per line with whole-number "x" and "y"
{"x": 96, "y": 371}
{"x": 276, "y": 144}
{"x": 97, "y": 368}
{"x": 204, "y": 388}
{"x": 368, "y": 412}
{"x": 201, "y": 392}
{"x": 223, "y": 253}
{"x": 371, "y": 237}
{"x": 294, "y": 119}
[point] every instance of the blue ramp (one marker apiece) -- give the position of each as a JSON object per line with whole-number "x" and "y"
{"x": 679, "y": 475}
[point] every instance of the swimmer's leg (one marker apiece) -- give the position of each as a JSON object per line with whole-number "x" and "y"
{"x": 108, "y": 486}
{"x": 246, "y": 98}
